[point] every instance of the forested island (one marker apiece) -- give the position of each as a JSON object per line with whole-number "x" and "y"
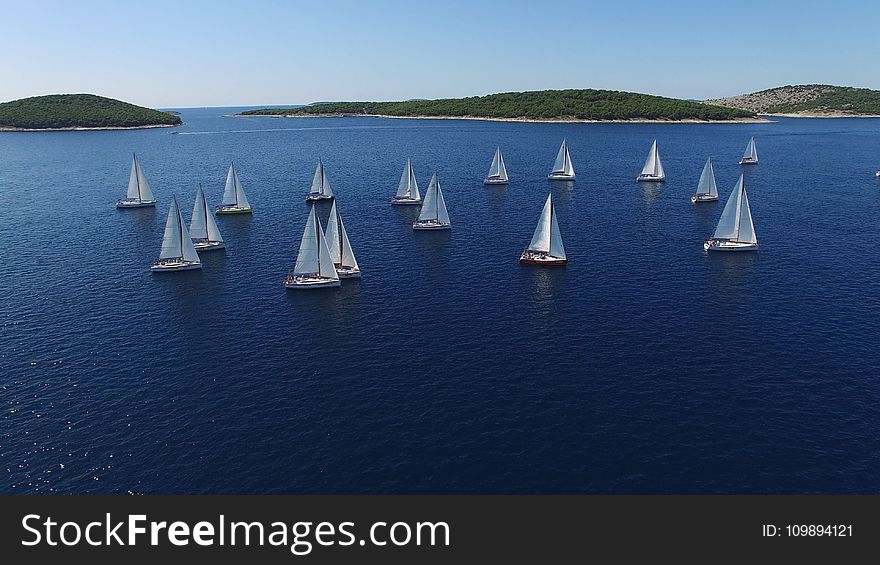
{"x": 807, "y": 100}
{"x": 79, "y": 111}
{"x": 546, "y": 105}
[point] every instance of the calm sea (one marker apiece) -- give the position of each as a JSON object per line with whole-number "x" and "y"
{"x": 645, "y": 366}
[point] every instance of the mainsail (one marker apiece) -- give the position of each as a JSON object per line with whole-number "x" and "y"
{"x": 202, "y": 224}
{"x": 138, "y": 187}
{"x": 408, "y": 187}
{"x": 233, "y": 194}
{"x": 497, "y": 170}
{"x": 320, "y": 184}
{"x": 707, "y": 181}
{"x": 547, "y": 238}
{"x": 176, "y": 242}
{"x": 653, "y": 166}
{"x": 751, "y": 152}
{"x": 337, "y": 241}
{"x": 563, "y": 165}
{"x": 314, "y": 255}
{"x": 735, "y": 223}
{"x": 434, "y": 206}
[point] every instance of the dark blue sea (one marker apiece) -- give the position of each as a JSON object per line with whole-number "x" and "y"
{"x": 645, "y": 366}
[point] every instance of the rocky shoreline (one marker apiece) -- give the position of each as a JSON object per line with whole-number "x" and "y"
{"x": 77, "y": 128}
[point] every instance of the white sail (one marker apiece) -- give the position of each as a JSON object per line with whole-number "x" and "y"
{"x": 307, "y": 261}
{"x": 318, "y": 180}
{"x": 337, "y": 240}
{"x": 502, "y": 170}
{"x": 325, "y": 184}
{"x": 547, "y": 238}
{"x": 541, "y": 237}
{"x": 729, "y": 222}
{"x": 434, "y": 205}
{"x": 745, "y": 226}
{"x": 138, "y": 187}
{"x": 653, "y": 166}
{"x": 176, "y": 242}
{"x": 751, "y": 152}
{"x": 233, "y": 193}
{"x": 331, "y": 234}
{"x": 202, "y": 224}
{"x": 408, "y": 187}
{"x": 442, "y": 214}
{"x": 707, "y": 180}
{"x": 568, "y": 168}
{"x": 563, "y": 165}
{"x": 497, "y": 170}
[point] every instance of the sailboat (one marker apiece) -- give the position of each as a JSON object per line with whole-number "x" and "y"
{"x": 202, "y": 227}
{"x": 546, "y": 246}
{"x": 139, "y": 194}
{"x": 707, "y": 190}
{"x": 562, "y": 167}
{"x": 408, "y": 189}
{"x": 234, "y": 199}
{"x": 750, "y": 157}
{"x": 314, "y": 267}
{"x": 735, "y": 230}
{"x": 320, "y": 185}
{"x": 340, "y": 248}
{"x": 433, "y": 215}
{"x": 178, "y": 252}
{"x": 497, "y": 171}
{"x": 653, "y": 169}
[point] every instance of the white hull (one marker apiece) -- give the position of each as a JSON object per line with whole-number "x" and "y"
{"x": 308, "y": 283}
{"x": 174, "y": 265}
{"x": 726, "y": 245}
{"x": 650, "y": 178}
{"x": 530, "y": 257}
{"x": 748, "y": 161}
{"x": 877, "y": 174}
{"x": 348, "y": 272}
{"x": 560, "y": 176}
{"x": 314, "y": 197}
{"x": 126, "y": 203}
{"x": 208, "y": 245}
{"x": 703, "y": 198}
{"x": 489, "y": 180}
{"x": 222, "y": 210}
{"x": 430, "y": 225}
{"x": 403, "y": 201}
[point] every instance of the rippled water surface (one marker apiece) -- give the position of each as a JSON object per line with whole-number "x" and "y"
{"x": 645, "y": 366}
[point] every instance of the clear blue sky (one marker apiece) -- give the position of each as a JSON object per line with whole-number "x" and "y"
{"x": 197, "y": 53}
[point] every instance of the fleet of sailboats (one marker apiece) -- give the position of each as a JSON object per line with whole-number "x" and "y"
{"x": 314, "y": 264}
{"x": 652, "y": 171}
{"x": 340, "y": 248}
{"x": 562, "y": 167}
{"x": 139, "y": 194}
{"x": 202, "y": 227}
{"x": 735, "y": 230}
{"x": 408, "y": 188}
{"x": 750, "y": 156}
{"x": 178, "y": 252}
{"x": 326, "y": 256}
{"x": 320, "y": 189}
{"x": 433, "y": 215}
{"x": 546, "y": 246}
{"x": 707, "y": 190}
{"x": 497, "y": 170}
{"x": 234, "y": 200}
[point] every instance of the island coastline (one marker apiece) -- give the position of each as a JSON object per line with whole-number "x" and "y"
{"x": 78, "y": 128}
{"x": 757, "y": 120}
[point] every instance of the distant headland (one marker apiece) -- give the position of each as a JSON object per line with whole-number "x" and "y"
{"x": 807, "y": 101}
{"x": 585, "y": 105}
{"x": 79, "y": 112}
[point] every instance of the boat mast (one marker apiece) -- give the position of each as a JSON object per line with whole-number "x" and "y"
{"x": 234, "y": 184}
{"x": 137, "y": 174}
{"x": 180, "y": 230}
